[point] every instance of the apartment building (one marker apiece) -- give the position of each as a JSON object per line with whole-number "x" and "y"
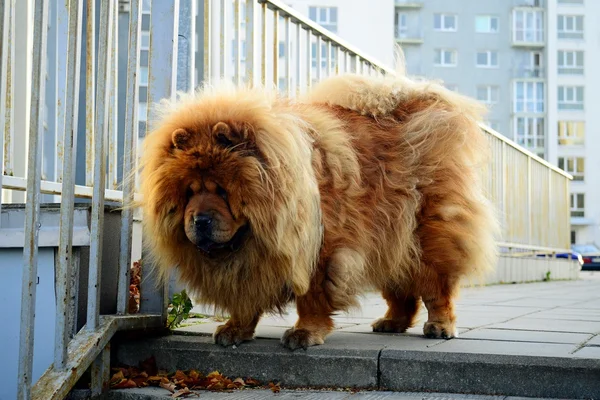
{"x": 532, "y": 63}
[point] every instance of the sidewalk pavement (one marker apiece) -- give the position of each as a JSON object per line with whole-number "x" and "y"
{"x": 537, "y": 340}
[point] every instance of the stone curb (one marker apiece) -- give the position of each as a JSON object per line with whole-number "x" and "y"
{"x": 374, "y": 366}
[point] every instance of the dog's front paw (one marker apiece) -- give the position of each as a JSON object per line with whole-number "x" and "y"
{"x": 229, "y": 335}
{"x": 440, "y": 330}
{"x": 390, "y": 325}
{"x": 300, "y": 338}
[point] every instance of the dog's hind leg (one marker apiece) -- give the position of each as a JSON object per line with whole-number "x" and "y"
{"x": 402, "y": 309}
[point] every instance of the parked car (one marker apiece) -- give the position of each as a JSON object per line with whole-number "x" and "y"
{"x": 572, "y": 255}
{"x": 590, "y": 254}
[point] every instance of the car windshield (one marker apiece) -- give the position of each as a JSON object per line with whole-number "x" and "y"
{"x": 585, "y": 248}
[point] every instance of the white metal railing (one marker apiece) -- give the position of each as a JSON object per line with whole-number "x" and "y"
{"x": 282, "y": 47}
{"x": 88, "y": 347}
{"x": 278, "y": 51}
{"x": 531, "y": 195}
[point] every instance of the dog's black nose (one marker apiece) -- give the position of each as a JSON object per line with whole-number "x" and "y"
{"x": 203, "y": 223}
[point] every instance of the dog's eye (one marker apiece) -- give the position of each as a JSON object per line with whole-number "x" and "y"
{"x": 224, "y": 141}
{"x": 189, "y": 193}
{"x": 221, "y": 192}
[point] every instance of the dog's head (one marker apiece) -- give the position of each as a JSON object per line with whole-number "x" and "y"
{"x": 229, "y": 176}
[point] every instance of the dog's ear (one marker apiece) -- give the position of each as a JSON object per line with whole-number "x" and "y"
{"x": 181, "y": 138}
{"x": 228, "y": 136}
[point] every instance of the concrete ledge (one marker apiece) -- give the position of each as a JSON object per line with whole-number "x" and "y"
{"x": 370, "y": 361}
{"x": 490, "y": 374}
{"x": 263, "y": 359}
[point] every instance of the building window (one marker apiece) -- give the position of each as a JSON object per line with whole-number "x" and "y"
{"x": 571, "y": 133}
{"x": 570, "y": 26}
{"x": 530, "y": 132}
{"x": 324, "y": 16}
{"x": 570, "y": 62}
{"x": 444, "y": 22}
{"x": 488, "y": 94}
{"x": 332, "y": 61}
{"x": 486, "y": 24}
{"x": 573, "y": 237}
{"x": 528, "y": 26}
{"x": 570, "y": 97}
{"x": 577, "y": 205}
{"x": 445, "y": 58}
{"x": 401, "y": 24}
{"x": 529, "y": 96}
{"x": 573, "y": 165}
{"x": 487, "y": 59}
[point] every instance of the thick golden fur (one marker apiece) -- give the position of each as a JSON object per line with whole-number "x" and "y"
{"x": 365, "y": 182}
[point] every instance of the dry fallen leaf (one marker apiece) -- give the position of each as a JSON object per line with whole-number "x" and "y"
{"x": 166, "y": 384}
{"x": 275, "y": 388}
{"x": 185, "y": 392}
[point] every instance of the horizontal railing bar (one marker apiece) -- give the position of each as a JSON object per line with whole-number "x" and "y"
{"x": 49, "y": 187}
{"x": 318, "y": 30}
{"x": 522, "y": 246}
{"x": 83, "y": 350}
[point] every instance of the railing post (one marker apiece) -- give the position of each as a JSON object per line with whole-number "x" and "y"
{"x": 32, "y": 208}
{"x": 65, "y": 247}
{"x": 130, "y": 154}
{"x": 251, "y": 45}
{"x": 7, "y": 71}
{"x": 100, "y": 135}
{"x": 529, "y": 202}
{"x": 163, "y": 63}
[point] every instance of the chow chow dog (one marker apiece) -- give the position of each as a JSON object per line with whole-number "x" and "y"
{"x": 260, "y": 200}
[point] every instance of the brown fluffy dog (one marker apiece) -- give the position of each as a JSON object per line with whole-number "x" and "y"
{"x": 366, "y": 182}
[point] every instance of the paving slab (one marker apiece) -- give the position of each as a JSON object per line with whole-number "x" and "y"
{"x": 588, "y": 352}
{"x": 468, "y": 346}
{"x": 525, "y": 336}
{"x": 550, "y": 325}
{"x": 595, "y": 341}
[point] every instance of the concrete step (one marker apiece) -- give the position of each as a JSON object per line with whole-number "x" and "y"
{"x": 401, "y": 363}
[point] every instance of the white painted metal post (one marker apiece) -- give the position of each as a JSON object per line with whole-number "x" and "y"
{"x": 101, "y": 131}
{"x": 129, "y": 154}
{"x": 6, "y": 71}
{"x": 32, "y": 208}
{"x": 90, "y": 90}
{"x": 65, "y": 248}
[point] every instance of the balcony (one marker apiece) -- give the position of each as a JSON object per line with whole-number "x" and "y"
{"x": 408, "y": 4}
{"x": 528, "y": 27}
{"x": 530, "y": 38}
{"x": 529, "y": 72}
{"x": 409, "y": 36}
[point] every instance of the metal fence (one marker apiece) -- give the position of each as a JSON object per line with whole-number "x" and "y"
{"x": 271, "y": 44}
